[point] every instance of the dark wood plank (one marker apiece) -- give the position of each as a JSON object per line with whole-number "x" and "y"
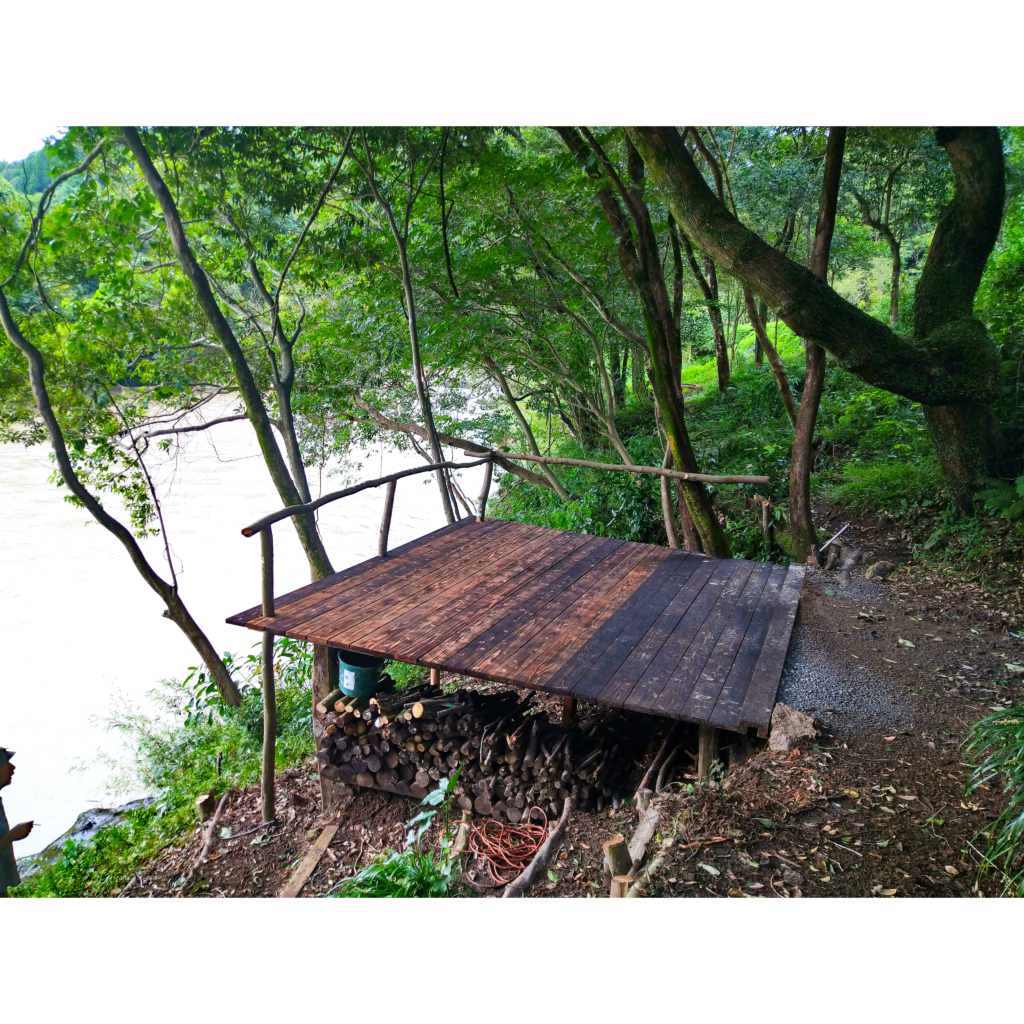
{"x": 760, "y": 699}
{"x": 376, "y": 572}
{"x": 493, "y": 592}
{"x": 627, "y": 627}
{"x": 386, "y": 603}
{"x": 477, "y": 610}
{"x": 727, "y": 708}
{"x": 454, "y": 643}
{"x": 687, "y": 672}
{"x": 387, "y": 573}
{"x": 621, "y": 683}
{"x": 703, "y": 696}
{"x": 546, "y": 599}
{"x": 601, "y": 593}
{"x": 243, "y": 618}
{"x": 655, "y": 677}
{"x": 448, "y": 611}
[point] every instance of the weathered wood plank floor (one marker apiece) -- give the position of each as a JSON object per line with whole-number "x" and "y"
{"x": 631, "y": 625}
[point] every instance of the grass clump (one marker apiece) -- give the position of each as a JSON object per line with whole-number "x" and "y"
{"x": 174, "y": 753}
{"x": 998, "y": 741}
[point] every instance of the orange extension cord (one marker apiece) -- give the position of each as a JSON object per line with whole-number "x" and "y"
{"x": 507, "y": 848}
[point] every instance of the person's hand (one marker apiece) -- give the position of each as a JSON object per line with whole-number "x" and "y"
{"x": 21, "y": 831}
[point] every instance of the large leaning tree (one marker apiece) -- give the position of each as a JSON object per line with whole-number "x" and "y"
{"x": 948, "y": 363}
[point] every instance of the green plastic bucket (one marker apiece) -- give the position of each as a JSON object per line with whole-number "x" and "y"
{"x": 359, "y": 674}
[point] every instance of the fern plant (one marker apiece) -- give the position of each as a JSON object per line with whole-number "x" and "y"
{"x": 1005, "y": 498}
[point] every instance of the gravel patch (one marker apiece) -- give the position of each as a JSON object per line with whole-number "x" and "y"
{"x": 847, "y": 696}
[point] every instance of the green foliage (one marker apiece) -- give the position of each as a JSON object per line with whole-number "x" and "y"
{"x": 412, "y": 872}
{"x": 174, "y": 754}
{"x": 887, "y": 487}
{"x": 998, "y": 742}
{"x": 1005, "y": 498}
{"x": 406, "y": 675}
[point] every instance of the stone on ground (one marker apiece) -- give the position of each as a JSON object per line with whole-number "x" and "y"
{"x": 789, "y": 727}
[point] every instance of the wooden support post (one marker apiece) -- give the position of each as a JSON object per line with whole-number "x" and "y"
{"x": 385, "y": 523}
{"x": 707, "y": 751}
{"x": 568, "y": 711}
{"x": 435, "y": 677}
{"x": 269, "y": 695}
{"x": 325, "y": 681}
{"x": 485, "y": 490}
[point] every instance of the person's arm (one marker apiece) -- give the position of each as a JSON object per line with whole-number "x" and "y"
{"x": 18, "y": 832}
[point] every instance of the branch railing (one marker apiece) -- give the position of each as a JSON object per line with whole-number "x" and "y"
{"x": 264, "y": 526}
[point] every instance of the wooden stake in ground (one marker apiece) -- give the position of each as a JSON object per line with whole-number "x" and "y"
{"x": 308, "y": 864}
{"x": 617, "y": 858}
{"x": 435, "y": 677}
{"x": 620, "y": 885}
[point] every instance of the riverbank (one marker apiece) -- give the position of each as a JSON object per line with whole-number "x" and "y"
{"x": 212, "y": 484}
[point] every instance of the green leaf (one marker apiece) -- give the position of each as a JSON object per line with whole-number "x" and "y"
{"x": 552, "y": 875}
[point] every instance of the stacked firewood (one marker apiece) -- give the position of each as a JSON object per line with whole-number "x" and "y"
{"x": 512, "y": 758}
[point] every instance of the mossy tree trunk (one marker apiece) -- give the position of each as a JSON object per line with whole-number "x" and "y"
{"x": 949, "y": 364}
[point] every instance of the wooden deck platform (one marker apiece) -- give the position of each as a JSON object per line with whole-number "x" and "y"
{"x": 632, "y": 625}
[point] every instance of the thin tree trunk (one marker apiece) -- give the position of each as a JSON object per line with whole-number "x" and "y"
{"x": 419, "y": 375}
{"x": 894, "y": 281}
{"x": 804, "y": 535}
{"x": 176, "y": 610}
{"x": 531, "y": 441}
{"x": 777, "y": 365}
{"x": 640, "y": 260}
{"x": 305, "y": 525}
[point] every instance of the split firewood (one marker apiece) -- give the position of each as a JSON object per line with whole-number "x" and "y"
{"x": 329, "y": 701}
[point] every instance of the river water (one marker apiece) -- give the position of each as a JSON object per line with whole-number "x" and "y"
{"x": 82, "y": 630}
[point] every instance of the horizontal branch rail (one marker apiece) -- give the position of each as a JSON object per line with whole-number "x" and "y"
{"x": 312, "y": 506}
{"x": 704, "y": 478}
{"x": 492, "y": 456}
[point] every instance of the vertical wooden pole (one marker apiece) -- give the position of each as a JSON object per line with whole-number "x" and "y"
{"x": 325, "y": 680}
{"x": 568, "y": 711}
{"x": 269, "y": 694}
{"x": 707, "y": 751}
{"x": 385, "y": 523}
{"x": 485, "y": 490}
{"x": 435, "y": 677}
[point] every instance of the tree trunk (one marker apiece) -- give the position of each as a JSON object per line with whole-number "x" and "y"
{"x": 176, "y": 610}
{"x": 802, "y": 531}
{"x": 640, "y": 260}
{"x": 966, "y": 437}
{"x": 777, "y": 365}
{"x": 894, "y": 281}
{"x": 637, "y": 369}
{"x": 949, "y": 361}
{"x": 305, "y": 525}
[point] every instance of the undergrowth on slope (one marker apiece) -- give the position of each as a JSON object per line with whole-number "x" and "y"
{"x": 173, "y": 752}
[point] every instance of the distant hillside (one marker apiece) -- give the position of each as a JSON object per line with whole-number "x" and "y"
{"x": 29, "y": 176}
